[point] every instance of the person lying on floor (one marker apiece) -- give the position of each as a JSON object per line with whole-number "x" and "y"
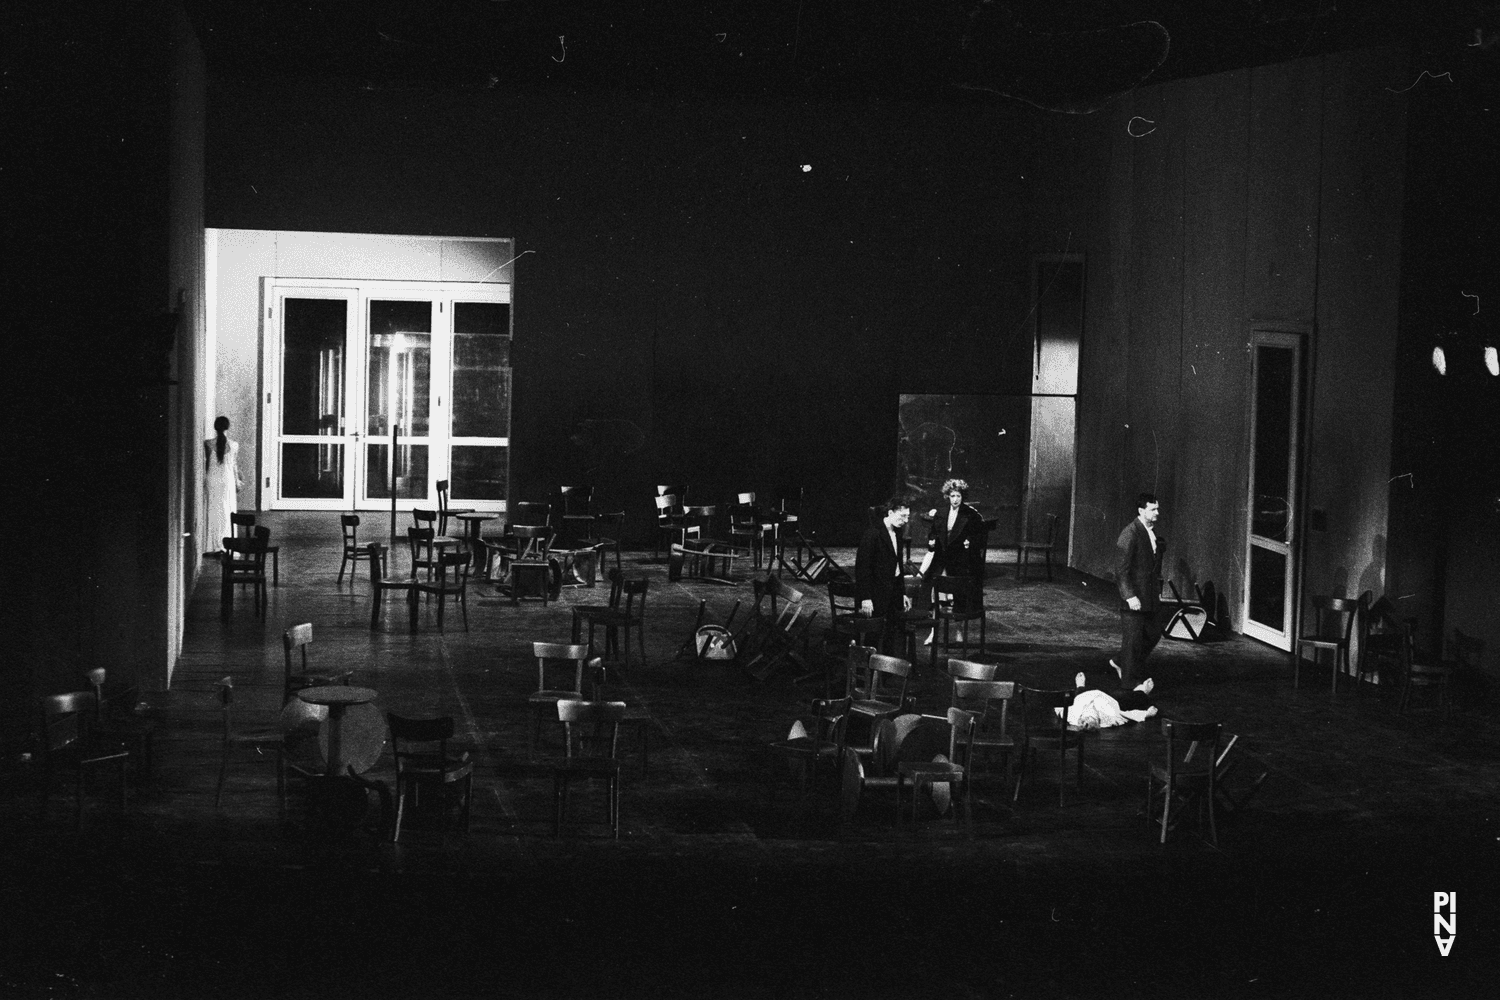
{"x": 1097, "y": 710}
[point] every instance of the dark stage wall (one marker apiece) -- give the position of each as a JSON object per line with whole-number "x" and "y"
{"x": 697, "y": 307}
{"x": 1263, "y": 198}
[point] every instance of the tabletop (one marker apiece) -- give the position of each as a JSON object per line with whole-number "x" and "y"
{"x": 337, "y": 694}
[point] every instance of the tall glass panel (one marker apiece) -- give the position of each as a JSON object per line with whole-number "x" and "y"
{"x": 1267, "y": 587}
{"x": 399, "y": 390}
{"x": 313, "y": 381}
{"x": 481, "y": 400}
{"x": 1273, "y": 442}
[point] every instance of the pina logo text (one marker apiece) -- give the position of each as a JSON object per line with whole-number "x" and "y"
{"x": 1445, "y": 920}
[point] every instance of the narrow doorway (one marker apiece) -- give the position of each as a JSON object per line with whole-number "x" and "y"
{"x": 1271, "y": 539}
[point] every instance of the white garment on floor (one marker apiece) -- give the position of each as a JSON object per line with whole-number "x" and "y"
{"x": 1097, "y": 710}
{"x": 222, "y": 495}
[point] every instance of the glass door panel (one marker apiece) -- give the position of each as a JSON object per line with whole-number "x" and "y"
{"x": 480, "y": 412}
{"x": 312, "y": 440}
{"x": 398, "y": 396}
{"x": 1270, "y": 585}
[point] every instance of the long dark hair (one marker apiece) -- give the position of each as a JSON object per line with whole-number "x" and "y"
{"x": 221, "y": 443}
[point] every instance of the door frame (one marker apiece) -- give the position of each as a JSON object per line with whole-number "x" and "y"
{"x": 1286, "y": 337}
{"x": 360, "y": 293}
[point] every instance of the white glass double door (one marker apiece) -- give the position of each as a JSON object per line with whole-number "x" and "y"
{"x": 351, "y": 367}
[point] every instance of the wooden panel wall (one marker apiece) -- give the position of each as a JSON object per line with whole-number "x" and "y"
{"x": 1239, "y": 203}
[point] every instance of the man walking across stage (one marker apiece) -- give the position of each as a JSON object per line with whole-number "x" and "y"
{"x": 1138, "y": 553}
{"x": 878, "y": 582}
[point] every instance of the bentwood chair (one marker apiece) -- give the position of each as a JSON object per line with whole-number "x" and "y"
{"x": 1335, "y": 621}
{"x": 990, "y": 702}
{"x": 958, "y": 600}
{"x": 353, "y": 551}
{"x": 1045, "y": 730}
{"x": 450, "y": 580}
{"x": 116, "y": 721}
{"x": 244, "y": 527}
{"x": 424, "y": 760}
{"x": 1042, "y": 546}
{"x": 244, "y": 565}
{"x": 591, "y": 734}
{"x": 809, "y": 744}
{"x": 628, "y": 614}
{"x": 67, "y": 743}
{"x": 446, "y": 513}
{"x": 1188, "y": 773}
{"x": 877, "y": 683}
{"x": 263, "y": 743}
{"x": 552, "y": 657}
{"x": 379, "y": 585}
{"x": 297, "y": 676}
{"x": 1420, "y": 669}
{"x": 925, "y": 774}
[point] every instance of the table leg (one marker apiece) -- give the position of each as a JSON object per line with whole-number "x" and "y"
{"x": 335, "y": 739}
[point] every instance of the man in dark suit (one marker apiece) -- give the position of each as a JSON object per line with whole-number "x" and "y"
{"x": 1138, "y": 553}
{"x": 878, "y": 583}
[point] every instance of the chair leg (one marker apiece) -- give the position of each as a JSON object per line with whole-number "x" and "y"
{"x": 400, "y": 809}
{"x": 223, "y": 770}
{"x": 1166, "y": 810}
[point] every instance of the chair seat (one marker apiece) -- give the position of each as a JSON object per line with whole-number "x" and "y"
{"x": 543, "y": 697}
{"x": 875, "y": 708}
{"x": 432, "y": 766}
{"x": 1424, "y": 671}
{"x": 1322, "y": 643}
{"x": 321, "y": 680}
{"x": 929, "y": 770}
{"x": 1051, "y": 739}
{"x": 996, "y": 741}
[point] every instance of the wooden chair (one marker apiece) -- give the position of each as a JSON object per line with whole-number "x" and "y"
{"x": 610, "y": 526}
{"x": 555, "y": 656}
{"x": 585, "y": 614}
{"x": 446, "y": 513}
{"x": 66, "y": 743}
{"x": 591, "y": 744}
{"x": 450, "y": 580}
{"x": 116, "y": 722}
{"x": 925, "y": 774}
{"x": 295, "y": 677}
{"x": 244, "y": 527}
{"x": 424, "y": 551}
{"x": 1041, "y": 546}
{"x": 904, "y": 737}
{"x": 1335, "y": 620}
{"x": 1043, "y": 729}
{"x": 528, "y": 562}
{"x": 576, "y": 522}
{"x": 749, "y": 529}
{"x": 671, "y": 518}
{"x": 1421, "y": 670}
{"x": 957, "y": 600}
{"x": 628, "y": 614}
{"x": 420, "y": 748}
{"x": 441, "y": 541}
{"x": 244, "y": 565}
{"x": 1190, "y": 771}
{"x": 989, "y": 700}
{"x": 353, "y": 551}
{"x": 808, "y": 745}
{"x": 264, "y": 742}
{"x": 877, "y": 684}
{"x": 379, "y": 585}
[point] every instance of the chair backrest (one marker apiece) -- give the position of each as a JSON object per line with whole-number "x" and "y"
{"x": 241, "y": 524}
{"x": 412, "y": 737}
{"x": 424, "y": 518}
{"x": 857, "y": 668}
{"x": 65, "y": 719}
{"x": 883, "y": 678}
{"x": 297, "y": 638}
{"x": 634, "y": 591}
{"x": 533, "y": 541}
{"x": 442, "y": 496}
{"x": 576, "y": 500}
{"x": 950, "y": 587}
{"x": 1049, "y": 534}
{"x": 532, "y": 513}
{"x": 1344, "y": 609}
{"x": 1192, "y": 746}
{"x": 616, "y": 587}
{"x": 666, "y": 506}
{"x": 841, "y": 597}
{"x": 458, "y": 562}
{"x": 585, "y": 724}
{"x": 423, "y": 543}
{"x": 980, "y": 697}
{"x": 556, "y": 654}
{"x": 971, "y": 670}
{"x": 745, "y": 499}
{"x": 224, "y": 688}
{"x": 831, "y": 720}
{"x": 373, "y": 552}
{"x": 962, "y": 726}
{"x": 349, "y": 525}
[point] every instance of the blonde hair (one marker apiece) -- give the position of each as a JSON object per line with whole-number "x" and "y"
{"x": 955, "y": 484}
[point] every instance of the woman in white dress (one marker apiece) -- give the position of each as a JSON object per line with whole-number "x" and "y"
{"x": 221, "y": 469}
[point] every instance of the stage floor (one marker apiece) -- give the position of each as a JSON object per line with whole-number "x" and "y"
{"x": 1324, "y": 880}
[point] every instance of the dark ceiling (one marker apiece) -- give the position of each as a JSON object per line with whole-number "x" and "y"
{"x": 1066, "y": 56}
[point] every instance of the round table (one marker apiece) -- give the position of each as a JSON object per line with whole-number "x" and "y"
{"x": 347, "y": 738}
